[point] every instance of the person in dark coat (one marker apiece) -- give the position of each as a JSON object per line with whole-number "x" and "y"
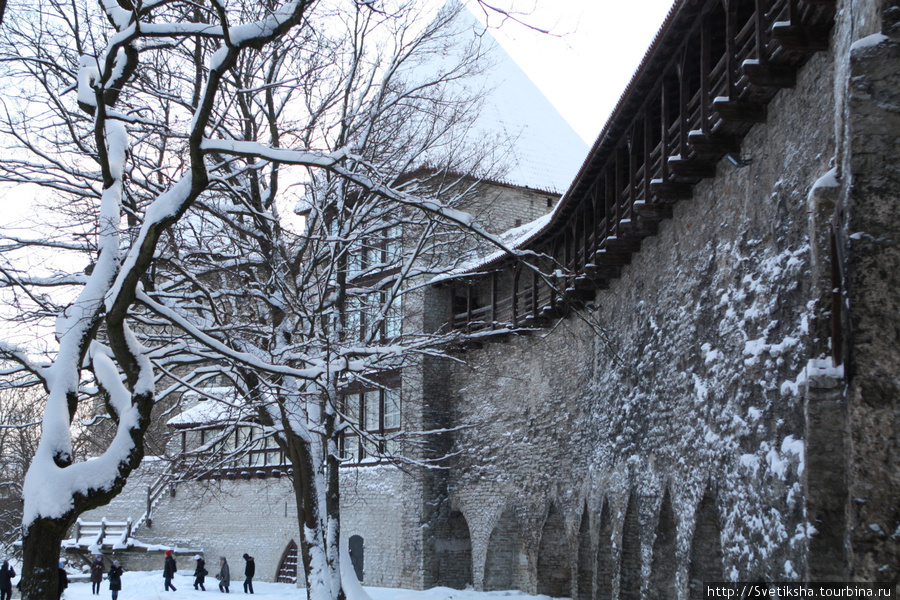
{"x": 224, "y": 575}
{"x": 63, "y": 581}
{"x": 200, "y": 573}
{"x": 169, "y": 571}
{"x": 6, "y": 575}
{"x": 249, "y": 572}
{"x": 96, "y": 574}
{"x": 115, "y": 579}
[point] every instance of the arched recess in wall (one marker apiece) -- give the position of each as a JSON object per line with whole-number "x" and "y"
{"x": 453, "y": 552}
{"x": 287, "y": 567}
{"x": 605, "y": 563}
{"x": 502, "y": 561}
{"x": 706, "y": 548}
{"x": 586, "y": 562}
{"x": 664, "y": 565}
{"x": 630, "y": 562}
{"x": 357, "y": 548}
{"x": 554, "y": 571}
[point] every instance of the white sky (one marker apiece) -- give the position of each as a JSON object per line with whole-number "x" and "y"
{"x": 585, "y": 66}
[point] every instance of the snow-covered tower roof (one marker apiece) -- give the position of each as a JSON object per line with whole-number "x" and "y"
{"x": 543, "y": 151}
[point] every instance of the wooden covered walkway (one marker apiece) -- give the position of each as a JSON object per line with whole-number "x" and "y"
{"x": 703, "y": 84}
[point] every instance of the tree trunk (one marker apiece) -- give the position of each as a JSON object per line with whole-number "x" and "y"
{"x": 40, "y": 558}
{"x": 319, "y": 547}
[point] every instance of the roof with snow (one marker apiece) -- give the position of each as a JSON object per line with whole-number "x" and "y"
{"x": 545, "y": 153}
{"x": 207, "y": 411}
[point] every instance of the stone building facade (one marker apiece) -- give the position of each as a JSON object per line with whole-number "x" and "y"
{"x": 721, "y": 404}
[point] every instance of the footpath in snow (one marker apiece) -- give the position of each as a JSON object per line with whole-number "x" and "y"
{"x": 148, "y": 585}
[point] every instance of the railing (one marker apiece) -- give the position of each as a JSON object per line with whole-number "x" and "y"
{"x": 672, "y": 138}
{"x": 97, "y": 532}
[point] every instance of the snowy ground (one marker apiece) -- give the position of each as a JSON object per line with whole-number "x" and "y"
{"x": 148, "y": 585}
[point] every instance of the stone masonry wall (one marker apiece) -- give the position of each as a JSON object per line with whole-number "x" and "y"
{"x": 688, "y": 375}
{"x": 259, "y": 517}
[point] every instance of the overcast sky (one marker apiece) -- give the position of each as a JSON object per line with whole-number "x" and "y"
{"x": 584, "y": 67}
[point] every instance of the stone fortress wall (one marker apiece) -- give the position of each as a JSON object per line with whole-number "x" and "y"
{"x": 689, "y": 424}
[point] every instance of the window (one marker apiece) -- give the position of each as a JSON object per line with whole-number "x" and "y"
{"x": 376, "y": 412}
{"x": 364, "y": 312}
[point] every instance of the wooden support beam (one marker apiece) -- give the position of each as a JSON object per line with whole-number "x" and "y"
{"x": 714, "y": 145}
{"x": 648, "y": 137}
{"x": 623, "y": 245}
{"x": 740, "y": 111}
{"x": 759, "y": 10}
{"x": 515, "y": 295}
{"x": 493, "y": 299}
{"x": 766, "y": 75}
{"x": 801, "y": 37}
{"x": 730, "y": 48}
{"x": 616, "y": 259}
{"x": 603, "y": 271}
{"x": 692, "y": 169}
{"x": 620, "y": 183}
{"x": 683, "y": 97}
{"x": 671, "y": 191}
{"x": 653, "y": 211}
{"x": 705, "y": 61}
{"x": 664, "y": 129}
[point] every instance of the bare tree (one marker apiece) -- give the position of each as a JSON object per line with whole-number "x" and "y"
{"x": 133, "y": 156}
{"x": 149, "y": 110}
{"x": 20, "y": 418}
{"x": 287, "y": 321}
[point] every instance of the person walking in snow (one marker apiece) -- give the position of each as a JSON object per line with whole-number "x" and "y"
{"x": 115, "y": 579}
{"x": 6, "y": 575}
{"x": 249, "y": 572}
{"x": 63, "y": 581}
{"x": 96, "y": 575}
{"x": 169, "y": 571}
{"x": 224, "y": 575}
{"x": 200, "y": 573}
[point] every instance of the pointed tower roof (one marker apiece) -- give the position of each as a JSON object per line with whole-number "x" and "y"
{"x": 539, "y": 149}
{"x": 546, "y": 151}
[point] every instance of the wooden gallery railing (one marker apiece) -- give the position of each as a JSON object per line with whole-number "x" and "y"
{"x": 703, "y": 85}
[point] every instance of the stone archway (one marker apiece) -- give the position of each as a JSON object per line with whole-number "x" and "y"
{"x": 554, "y": 570}
{"x": 501, "y": 564}
{"x": 453, "y": 552}
{"x": 665, "y": 543}
{"x": 706, "y": 548}
{"x": 630, "y": 557}
{"x": 605, "y": 564}
{"x": 585, "y": 573}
